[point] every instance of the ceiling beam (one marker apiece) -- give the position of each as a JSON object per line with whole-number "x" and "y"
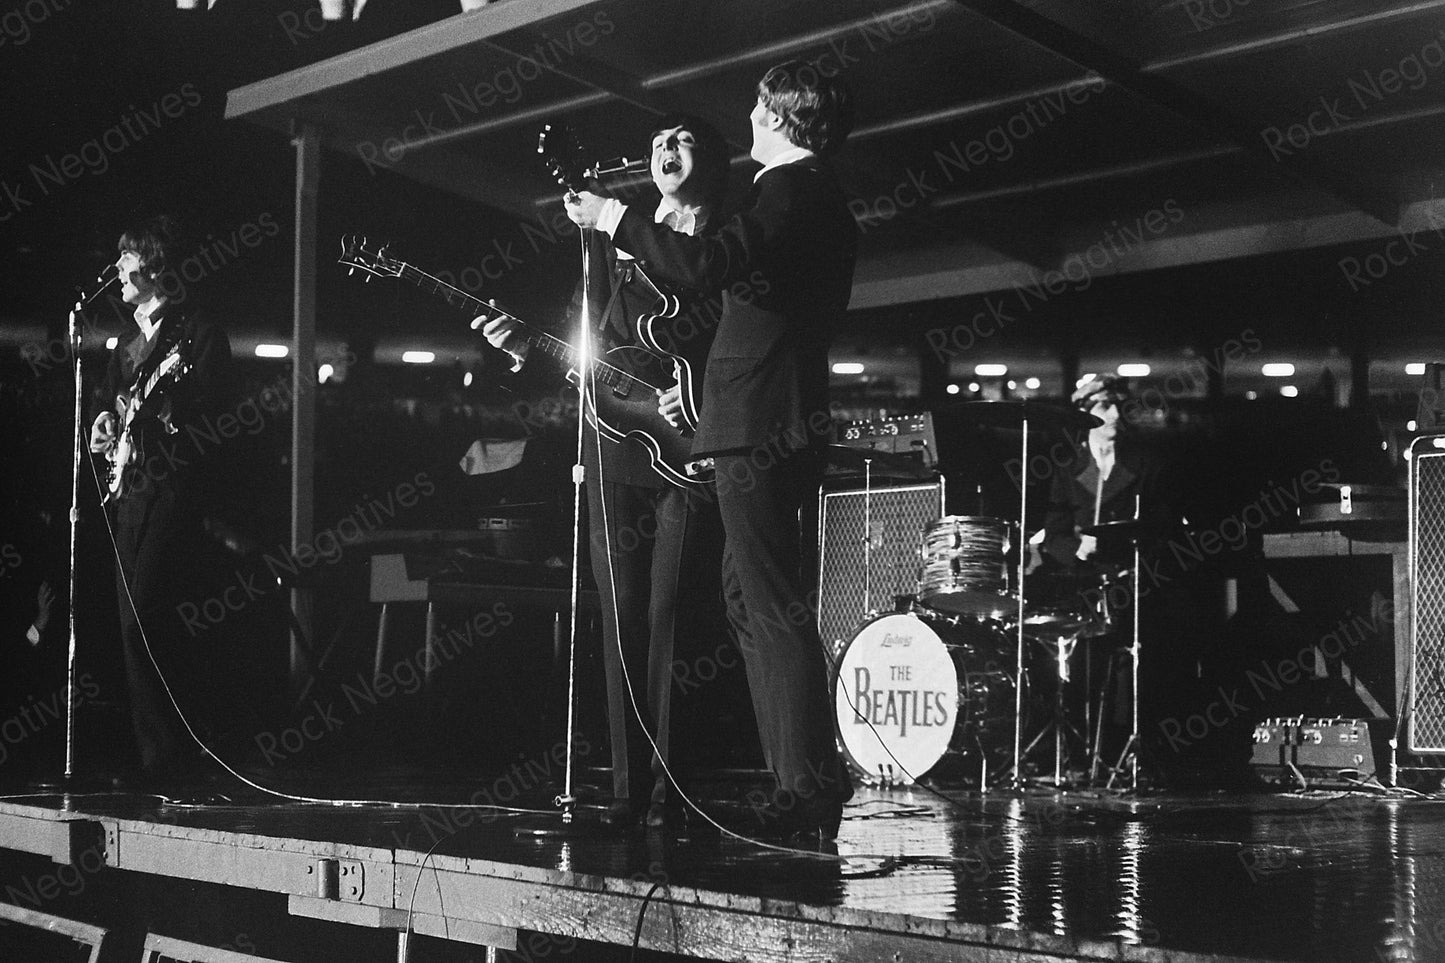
{"x": 1073, "y": 46}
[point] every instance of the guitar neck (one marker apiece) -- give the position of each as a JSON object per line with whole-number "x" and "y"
{"x": 548, "y": 344}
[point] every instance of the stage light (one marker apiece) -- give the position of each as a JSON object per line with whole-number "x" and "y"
{"x": 1277, "y": 369}
{"x": 1012, "y": 384}
{"x": 272, "y": 350}
{"x": 324, "y": 373}
{"x": 974, "y": 387}
{"x": 1033, "y": 384}
{"x": 848, "y": 367}
{"x": 1411, "y": 425}
{"x": 1289, "y": 391}
{"x": 1251, "y": 396}
{"x": 418, "y": 357}
{"x": 952, "y": 389}
{"x": 1415, "y": 368}
{"x": 990, "y": 370}
{"x": 467, "y": 380}
{"x": 111, "y": 342}
{"x": 1139, "y": 370}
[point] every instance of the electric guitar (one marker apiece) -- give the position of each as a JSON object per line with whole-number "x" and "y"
{"x": 564, "y": 159}
{"x": 144, "y": 397}
{"x": 627, "y": 378}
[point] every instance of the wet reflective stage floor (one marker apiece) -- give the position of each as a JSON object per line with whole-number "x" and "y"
{"x": 1304, "y": 877}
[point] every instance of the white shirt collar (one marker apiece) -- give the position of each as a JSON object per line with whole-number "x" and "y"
{"x": 1103, "y": 452}
{"x": 684, "y": 222}
{"x": 790, "y": 156}
{"x": 143, "y": 314}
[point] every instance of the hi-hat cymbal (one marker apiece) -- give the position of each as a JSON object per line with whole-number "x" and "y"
{"x": 1131, "y": 528}
{"x": 1012, "y": 414}
{"x": 875, "y": 461}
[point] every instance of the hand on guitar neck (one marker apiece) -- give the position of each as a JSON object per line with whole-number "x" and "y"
{"x": 504, "y": 333}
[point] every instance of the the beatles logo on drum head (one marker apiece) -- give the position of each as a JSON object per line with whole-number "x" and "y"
{"x": 896, "y": 697}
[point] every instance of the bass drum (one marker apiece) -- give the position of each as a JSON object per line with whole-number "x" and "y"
{"x": 910, "y": 687}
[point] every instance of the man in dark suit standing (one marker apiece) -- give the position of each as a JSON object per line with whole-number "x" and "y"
{"x": 159, "y": 507}
{"x": 785, "y": 267}
{"x": 654, "y": 544}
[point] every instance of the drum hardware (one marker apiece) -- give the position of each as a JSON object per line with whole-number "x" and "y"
{"x": 1135, "y": 529}
{"x": 1025, "y": 414}
{"x": 1059, "y": 725}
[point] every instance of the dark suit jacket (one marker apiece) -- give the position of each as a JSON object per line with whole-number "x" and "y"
{"x": 785, "y": 268}
{"x": 617, "y": 300}
{"x": 1072, "y": 495}
{"x": 196, "y": 398}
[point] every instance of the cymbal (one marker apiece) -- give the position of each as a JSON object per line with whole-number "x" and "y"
{"x": 1011, "y": 414}
{"x": 1131, "y": 528}
{"x": 875, "y": 461}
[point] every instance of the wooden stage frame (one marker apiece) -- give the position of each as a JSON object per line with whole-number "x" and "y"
{"x": 488, "y": 902}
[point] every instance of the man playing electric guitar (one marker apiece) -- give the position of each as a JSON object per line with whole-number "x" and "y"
{"x": 168, "y": 376}
{"x": 655, "y": 546}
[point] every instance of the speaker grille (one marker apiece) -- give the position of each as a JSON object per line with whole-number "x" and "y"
{"x": 1427, "y": 589}
{"x": 896, "y": 517}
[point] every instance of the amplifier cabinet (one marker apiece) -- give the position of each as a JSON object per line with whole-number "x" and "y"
{"x": 868, "y": 551}
{"x": 1425, "y": 678}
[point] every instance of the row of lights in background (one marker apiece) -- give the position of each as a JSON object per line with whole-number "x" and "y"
{"x": 1273, "y": 369}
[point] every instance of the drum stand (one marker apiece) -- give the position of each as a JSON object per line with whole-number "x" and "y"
{"x": 1130, "y": 753}
{"x": 1063, "y": 646}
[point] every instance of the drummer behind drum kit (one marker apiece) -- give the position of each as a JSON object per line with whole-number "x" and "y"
{"x": 940, "y": 669}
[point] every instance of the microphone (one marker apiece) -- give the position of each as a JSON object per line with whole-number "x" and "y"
{"x": 619, "y": 165}
{"x": 103, "y": 281}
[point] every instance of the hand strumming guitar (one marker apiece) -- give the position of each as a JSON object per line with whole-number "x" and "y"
{"x": 102, "y": 433}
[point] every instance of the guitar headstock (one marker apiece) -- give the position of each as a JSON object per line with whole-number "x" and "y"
{"x": 563, "y": 156}
{"x": 358, "y": 252}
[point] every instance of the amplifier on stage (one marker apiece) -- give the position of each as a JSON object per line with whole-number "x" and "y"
{"x": 1314, "y": 752}
{"x": 910, "y": 435}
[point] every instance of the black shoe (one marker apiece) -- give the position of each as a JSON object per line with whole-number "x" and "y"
{"x": 679, "y": 820}
{"x": 619, "y": 815}
{"x": 807, "y": 820}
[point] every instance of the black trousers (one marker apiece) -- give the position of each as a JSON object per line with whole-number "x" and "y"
{"x": 773, "y": 616}
{"x": 156, "y": 535}
{"x": 655, "y": 558}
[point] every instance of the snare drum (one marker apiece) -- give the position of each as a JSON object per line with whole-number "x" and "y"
{"x": 1061, "y": 604}
{"x": 909, "y": 687}
{"x": 964, "y": 568}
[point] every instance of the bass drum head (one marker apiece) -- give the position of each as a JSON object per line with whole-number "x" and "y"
{"x": 895, "y": 695}
{"x": 912, "y": 687}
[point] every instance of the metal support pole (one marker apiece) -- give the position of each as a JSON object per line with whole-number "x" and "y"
{"x": 303, "y": 386}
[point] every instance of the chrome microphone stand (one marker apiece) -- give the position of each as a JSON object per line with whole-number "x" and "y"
{"x": 567, "y": 800}
{"x": 106, "y": 278}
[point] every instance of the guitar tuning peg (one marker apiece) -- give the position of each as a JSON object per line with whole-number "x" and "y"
{"x": 350, "y": 271}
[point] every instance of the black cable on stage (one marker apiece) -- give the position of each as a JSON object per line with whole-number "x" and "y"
{"x": 641, "y": 915}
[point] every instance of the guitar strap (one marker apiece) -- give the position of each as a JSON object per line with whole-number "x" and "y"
{"x": 621, "y": 274}
{"x": 166, "y": 338}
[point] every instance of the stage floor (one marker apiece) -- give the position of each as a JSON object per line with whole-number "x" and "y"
{"x": 917, "y": 874}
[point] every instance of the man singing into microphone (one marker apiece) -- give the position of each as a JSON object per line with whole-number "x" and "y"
{"x": 167, "y": 376}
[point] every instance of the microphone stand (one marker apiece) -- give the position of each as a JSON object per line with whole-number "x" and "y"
{"x": 567, "y": 801}
{"x": 104, "y": 281}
